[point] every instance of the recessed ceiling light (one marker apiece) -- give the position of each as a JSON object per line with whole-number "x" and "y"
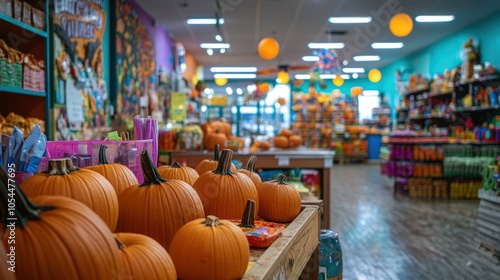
{"x": 210, "y": 51}
{"x": 235, "y": 76}
{"x": 326, "y": 45}
{"x": 222, "y": 50}
{"x": 215, "y": 46}
{"x": 370, "y": 92}
{"x": 239, "y": 91}
{"x": 232, "y": 69}
{"x": 345, "y": 76}
{"x": 366, "y": 58}
{"x": 355, "y": 75}
{"x": 350, "y": 19}
{"x": 229, "y": 91}
{"x": 434, "y": 18}
{"x": 302, "y": 77}
{"x": 395, "y": 45}
{"x": 218, "y": 38}
{"x": 310, "y": 58}
{"x": 353, "y": 70}
{"x": 204, "y": 21}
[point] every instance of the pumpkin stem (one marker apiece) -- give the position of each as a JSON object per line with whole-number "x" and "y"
{"x": 216, "y": 152}
{"x": 102, "y": 154}
{"x": 247, "y": 220}
{"x": 224, "y": 165}
{"x": 176, "y": 165}
{"x": 151, "y": 174}
{"x": 251, "y": 164}
{"x": 61, "y": 166}
{"x": 281, "y": 179}
{"x": 70, "y": 166}
{"x": 120, "y": 244}
{"x": 212, "y": 221}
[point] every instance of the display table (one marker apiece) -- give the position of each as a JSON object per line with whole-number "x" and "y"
{"x": 321, "y": 160}
{"x": 294, "y": 255}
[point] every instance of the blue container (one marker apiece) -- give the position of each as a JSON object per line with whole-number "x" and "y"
{"x": 330, "y": 256}
{"x": 374, "y": 144}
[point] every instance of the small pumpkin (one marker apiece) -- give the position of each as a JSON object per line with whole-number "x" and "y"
{"x": 285, "y": 132}
{"x": 211, "y": 164}
{"x": 119, "y": 175}
{"x": 281, "y": 142}
{"x": 84, "y": 185}
{"x": 224, "y": 192}
{"x": 278, "y": 201}
{"x": 295, "y": 141}
{"x": 157, "y": 208}
{"x": 57, "y": 238}
{"x": 210, "y": 249}
{"x": 216, "y": 138}
{"x": 249, "y": 170}
{"x": 144, "y": 258}
{"x": 179, "y": 172}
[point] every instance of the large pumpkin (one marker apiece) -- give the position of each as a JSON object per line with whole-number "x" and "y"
{"x": 278, "y": 201}
{"x": 57, "y": 238}
{"x": 294, "y": 141}
{"x": 179, "y": 172}
{"x": 144, "y": 258}
{"x": 158, "y": 208}
{"x": 215, "y": 138}
{"x": 249, "y": 170}
{"x": 119, "y": 175}
{"x": 224, "y": 192}
{"x": 84, "y": 185}
{"x": 281, "y": 142}
{"x": 210, "y": 249}
{"x": 211, "y": 164}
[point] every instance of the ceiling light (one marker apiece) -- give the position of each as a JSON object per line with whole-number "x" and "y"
{"x": 397, "y": 45}
{"x": 251, "y": 88}
{"x": 326, "y": 45}
{"x": 353, "y": 70}
{"x": 218, "y": 38}
{"x": 222, "y": 50}
{"x": 434, "y": 18}
{"x": 203, "y": 108}
{"x": 302, "y": 77}
{"x": 204, "y": 21}
{"x": 232, "y": 69}
{"x": 229, "y": 91}
{"x": 350, "y": 19}
{"x": 214, "y": 46}
{"x": 239, "y": 91}
{"x": 355, "y": 75}
{"x": 366, "y": 58}
{"x": 310, "y": 58}
{"x": 235, "y": 76}
{"x": 207, "y": 91}
{"x": 370, "y": 92}
{"x": 210, "y": 51}
{"x": 345, "y": 76}
{"x": 345, "y": 62}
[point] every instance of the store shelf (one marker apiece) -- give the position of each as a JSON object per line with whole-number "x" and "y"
{"x": 413, "y": 160}
{"x": 23, "y": 25}
{"x": 415, "y": 92}
{"x": 489, "y": 78}
{"x": 427, "y": 117}
{"x": 477, "y": 108}
{"x": 441, "y": 93}
{"x": 23, "y": 91}
{"x": 436, "y": 140}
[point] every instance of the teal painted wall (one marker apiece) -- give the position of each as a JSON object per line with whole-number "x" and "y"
{"x": 106, "y": 48}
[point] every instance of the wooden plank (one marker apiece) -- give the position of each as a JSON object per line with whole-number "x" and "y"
{"x": 287, "y": 257}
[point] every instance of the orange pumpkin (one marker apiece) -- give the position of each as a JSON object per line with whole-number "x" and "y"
{"x": 281, "y": 142}
{"x": 224, "y": 192}
{"x": 57, "y": 238}
{"x": 278, "y": 201}
{"x": 158, "y": 208}
{"x": 249, "y": 170}
{"x": 5, "y": 273}
{"x": 144, "y": 258}
{"x": 285, "y": 132}
{"x": 210, "y": 249}
{"x": 216, "y": 138}
{"x": 84, "y": 185}
{"x": 119, "y": 175}
{"x": 179, "y": 172}
{"x": 295, "y": 141}
{"x": 211, "y": 164}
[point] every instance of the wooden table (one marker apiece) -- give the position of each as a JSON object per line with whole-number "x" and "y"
{"x": 321, "y": 160}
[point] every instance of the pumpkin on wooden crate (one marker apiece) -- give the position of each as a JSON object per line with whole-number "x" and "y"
{"x": 157, "y": 208}
{"x": 84, "y": 185}
{"x": 281, "y": 142}
{"x": 57, "y": 238}
{"x": 224, "y": 192}
{"x": 119, "y": 175}
{"x": 210, "y": 249}
{"x": 278, "y": 201}
{"x": 249, "y": 170}
{"x": 179, "y": 172}
{"x": 211, "y": 164}
{"x": 144, "y": 258}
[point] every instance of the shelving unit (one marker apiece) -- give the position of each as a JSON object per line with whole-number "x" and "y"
{"x": 28, "y": 39}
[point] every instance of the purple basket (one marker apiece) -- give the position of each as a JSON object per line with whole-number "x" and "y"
{"x": 86, "y": 153}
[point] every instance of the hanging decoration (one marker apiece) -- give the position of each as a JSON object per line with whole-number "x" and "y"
{"x": 263, "y": 87}
{"x": 328, "y": 61}
{"x": 401, "y": 25}
{"x": 338, "y": 81}
{"x": 283, "y": 77}
{"x": 374, "y": 75}
{"x": 268, "y": 48}
{"x": 356, "y": 91}
{"x": 220, "y": 81}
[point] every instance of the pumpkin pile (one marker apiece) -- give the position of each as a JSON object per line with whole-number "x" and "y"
{"x": 220, "y": 133}
{"x": 286, "y": 140}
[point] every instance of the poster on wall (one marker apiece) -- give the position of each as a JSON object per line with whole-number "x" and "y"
{"x": 81, "y": 97}
{"x": 178, "y": 106}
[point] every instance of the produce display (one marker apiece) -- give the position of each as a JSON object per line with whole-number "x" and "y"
{"x": 24, "y": 124}
{"x": 179, "y": 172}
{"x": 279, "y": 201}
{"x": 287, "y": 140}
{"x": 211, "y": 164}
{"x": 465, "y": 189}
{"x": 249, "y": 170}
{"x": 465, "y": 167}
{"x": 411, "y": 169}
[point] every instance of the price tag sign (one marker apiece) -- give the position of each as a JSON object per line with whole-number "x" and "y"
{"x": 283, "y": 161}
{"x": 328, "y": 163}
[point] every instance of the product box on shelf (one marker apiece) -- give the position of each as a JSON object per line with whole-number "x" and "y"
{"x": 6, "y": 7}
{"x": 18, "y": 9}
{"x": 26, "y": 18}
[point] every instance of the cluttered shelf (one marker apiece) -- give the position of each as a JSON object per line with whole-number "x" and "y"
{"x": 22, "y": 25}
{"x": 17, "y": 90}
{"x": 477, "y": 108}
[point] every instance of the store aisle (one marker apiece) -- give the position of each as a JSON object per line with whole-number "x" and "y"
{"x": 386, "y": 236}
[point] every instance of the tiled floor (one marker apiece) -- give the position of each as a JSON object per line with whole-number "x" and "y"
{"x": 391, "y": 236}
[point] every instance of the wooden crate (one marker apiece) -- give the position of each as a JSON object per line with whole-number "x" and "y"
{"x": 294, "y": 254}
{"x": 487, "y": 220}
